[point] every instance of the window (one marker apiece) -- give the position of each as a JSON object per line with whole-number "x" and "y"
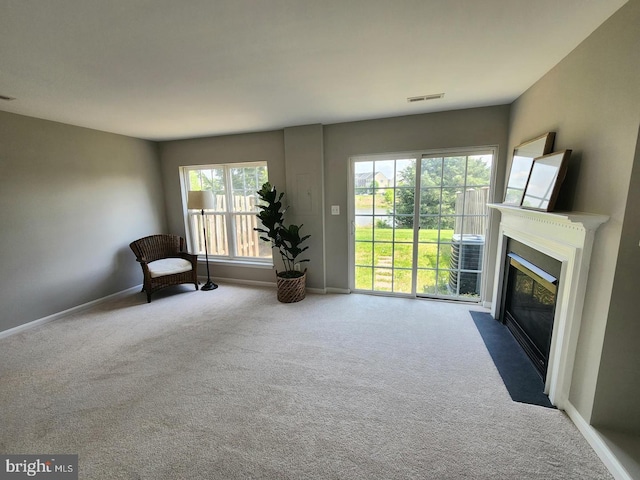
{"x": 419, "y": 222}
{"x": 230, "y": 223}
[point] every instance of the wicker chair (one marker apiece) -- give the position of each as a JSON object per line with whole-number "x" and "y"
{"x": 164, "y": 262}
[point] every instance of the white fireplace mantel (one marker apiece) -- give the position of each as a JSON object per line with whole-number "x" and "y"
{"x": 567, "y": 237}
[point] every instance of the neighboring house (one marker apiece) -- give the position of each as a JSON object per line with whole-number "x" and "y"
{"x": 369, "y": 180}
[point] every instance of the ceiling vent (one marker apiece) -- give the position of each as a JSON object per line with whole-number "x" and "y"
{"x": 8, "y": 99}
{"x": 422, "y": 98}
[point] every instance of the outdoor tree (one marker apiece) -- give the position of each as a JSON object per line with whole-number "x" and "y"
{"x": 440, "y": 182}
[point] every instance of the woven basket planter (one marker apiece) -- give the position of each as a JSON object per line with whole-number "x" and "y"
{"x": 291, "y": 290}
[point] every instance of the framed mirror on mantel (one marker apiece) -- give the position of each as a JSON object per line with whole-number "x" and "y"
{"x": 545, "y": 179}
{"x": 521, "y": 165}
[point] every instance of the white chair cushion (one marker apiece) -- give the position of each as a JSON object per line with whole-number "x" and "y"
{"x": 168, "y": 266}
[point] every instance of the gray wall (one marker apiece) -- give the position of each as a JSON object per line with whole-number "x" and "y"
{"x": 250, "y": 147}
{"x": 312, "y": 161}
{"x": 616, "y": 403}
{"x": 460, "y": 128}
{"x": 71, "y": 201}
{"x": 304, "y": 161}
{"x": 591, "y": 99}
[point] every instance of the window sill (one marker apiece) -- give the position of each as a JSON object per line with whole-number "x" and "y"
{"x": 236, "y": 263}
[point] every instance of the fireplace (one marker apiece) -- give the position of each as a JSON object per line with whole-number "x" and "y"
{"x": 528, "y": 307}
{"x": 567, "y": 239}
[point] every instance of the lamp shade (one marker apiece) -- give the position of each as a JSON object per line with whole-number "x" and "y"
{"x": 201, "y": 200}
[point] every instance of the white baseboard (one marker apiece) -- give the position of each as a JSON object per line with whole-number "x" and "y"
{"x": 598, "y": 444}
{"x": 337, "y": 290}
{"x": 257, "y": 283}
{"x": 320, "y": 291}
{"x": 64, "y": 313}
{"x": 137, "y": 288}
{"x": 237, "y": 281}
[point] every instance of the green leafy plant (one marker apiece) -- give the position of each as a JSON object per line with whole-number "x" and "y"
{"x": 286, "y": 239}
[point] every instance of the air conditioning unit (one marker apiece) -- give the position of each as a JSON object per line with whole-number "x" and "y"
{"x": 467, "y": 252}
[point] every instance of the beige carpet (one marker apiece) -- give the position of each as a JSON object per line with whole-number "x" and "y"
{"x": 231, "y": 384}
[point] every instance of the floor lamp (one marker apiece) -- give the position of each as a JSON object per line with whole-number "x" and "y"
{"x": 203, "y": 200}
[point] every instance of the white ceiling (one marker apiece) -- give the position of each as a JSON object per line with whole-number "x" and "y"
{"x": 168, "y": 69}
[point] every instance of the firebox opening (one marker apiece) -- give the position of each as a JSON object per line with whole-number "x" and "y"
{"x": 529, "y": 301}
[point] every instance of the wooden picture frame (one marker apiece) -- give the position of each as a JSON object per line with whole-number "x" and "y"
{"x": 547, "y": 175}
{"x": 521, "y": 164}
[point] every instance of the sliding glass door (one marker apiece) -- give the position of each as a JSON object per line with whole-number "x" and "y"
{"x": 419, "y": 223}
{"x": 383, "y": 224}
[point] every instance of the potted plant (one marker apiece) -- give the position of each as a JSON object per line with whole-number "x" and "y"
{"x": 291, "y": 282}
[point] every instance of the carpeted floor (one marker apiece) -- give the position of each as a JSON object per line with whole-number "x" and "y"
{"x": 231, "y": 384}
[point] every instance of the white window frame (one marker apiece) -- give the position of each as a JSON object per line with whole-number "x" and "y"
{"x": 229, "y": 214}
{"x": 417, "y": 156}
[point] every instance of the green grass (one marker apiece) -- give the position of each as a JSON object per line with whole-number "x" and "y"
{"x": 386, "y": 254}
{"x": 367, "y": 234}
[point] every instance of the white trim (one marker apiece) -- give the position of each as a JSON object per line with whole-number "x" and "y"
{"x": 238, "y": 281}
{"x": 598, "y": 444}
{"x": 321, "y": 291}
{"x": 567, "y": 237}
{"x": 417, "y": 156}
{"x": 256, "y": 283}
{"x": 338, "y": 290}
{"x": 229, "y": 213}
{"x": 235, "y": 263}
{"x": 64, "y": 313}
{"x": 351, "y": 225}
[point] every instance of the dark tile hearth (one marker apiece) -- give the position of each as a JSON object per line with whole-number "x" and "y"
{"x": 520, "y": 377}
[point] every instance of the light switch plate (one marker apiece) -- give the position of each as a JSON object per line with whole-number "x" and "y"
{"x": 335, "y": 209}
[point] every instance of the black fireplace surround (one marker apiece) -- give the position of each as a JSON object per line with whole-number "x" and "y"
{"x": 529, "y": 300}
